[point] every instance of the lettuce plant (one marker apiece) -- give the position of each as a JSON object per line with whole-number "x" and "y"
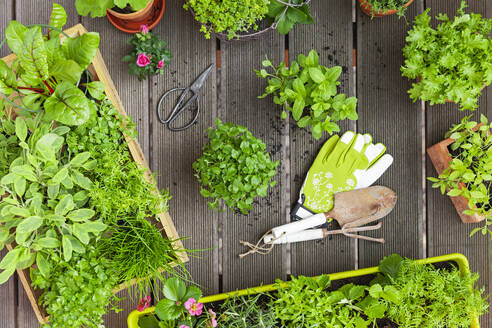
{"x": 452, "y": 62}
{"x": 470, "y": 166}
{"x": 309, "y": 91}
{"x": 234, "y": 167}
{"x": 98, "y": 8}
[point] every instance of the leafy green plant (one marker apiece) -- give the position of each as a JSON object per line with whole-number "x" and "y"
{"x": 286, "y": 14}
{"x": 431, "y": 297}
{"x": 386, "y": 5}
{"x": 247, "y": 312}
{"x": 149, "y": 54}
{"x": 450, "y": 62}
{"x": 468, "y": 174}
{"x": 305, "y": 302}
{"x": 98, "y": 8}
{"x": 77, "y": 292}
{"x": 227, "y": 16}
{"x": 45, "y": 201}
{"x": 234, "y": 167}
{"x": 46, "y": 73}
{"x": 309, "y": 91}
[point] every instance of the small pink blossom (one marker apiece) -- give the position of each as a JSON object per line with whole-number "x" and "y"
{"x": 184, "y": 326}
{"x": 144, "y": 303}
{"x": 143, "y": 60}
{"x": 193, "y": 307}
{"x": 213, "y": 318}
{"x": 160, "y": 64}
{"x": 144, "y": 29}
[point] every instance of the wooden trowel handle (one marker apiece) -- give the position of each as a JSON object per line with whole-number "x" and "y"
{"x": 362, "y": 206}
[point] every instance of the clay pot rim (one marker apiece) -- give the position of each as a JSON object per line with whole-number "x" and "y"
{"x": 135, "y": 15}
{"x": 119, "y": 23}
{"x": 367, "y": 9}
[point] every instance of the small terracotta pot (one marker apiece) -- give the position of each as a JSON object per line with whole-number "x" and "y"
{"x": 367, "y": 9}
{"x": 440, "y": 157}
{"x": 151, "y": 18}
{"x": 136, "y": 16}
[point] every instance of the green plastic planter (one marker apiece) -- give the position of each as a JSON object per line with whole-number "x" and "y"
{"x": 459, "y": 259}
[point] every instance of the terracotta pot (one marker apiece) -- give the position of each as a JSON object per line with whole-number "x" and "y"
{"x": 367, "y": 9}
{"x": 136, "y": 16}
{"x": 440, "y": 157}
{"x": 151, "y": 15}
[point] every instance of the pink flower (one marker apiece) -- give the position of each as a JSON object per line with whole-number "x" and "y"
{"x": 144, "y": 303}
{"x": 144, "y": 29}
{"x": 160, "y": 64}
{"x": 213, "y": 318}
{"x": 184, "y": 326}
{"x": 193, "y": 307}
{"x": 143, "y": 60}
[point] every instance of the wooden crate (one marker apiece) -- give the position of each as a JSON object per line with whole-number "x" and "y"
{"x": 100, "y": 72}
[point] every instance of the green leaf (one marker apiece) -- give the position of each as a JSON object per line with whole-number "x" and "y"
{"x": 81, "y": 233}
{"x": 81, "y": 215}
{"x": 48, "y": 145}
{"x": 96, "y": 8}
{"x": 296, "y": 15}
{"x": 298, "y": 108}
{"x": 20, "y": 128}
{"x": 30, "y": 224}
{"x": 312, "y": 59}
{"x": 6, "y": 274}
{"x": 10, "y": 260}
{"x": 43, "y": 265}
{"x": 390, "y": 265}
{"x": 20, "y": 186}
{"x": 66, "y": 70}
{"x": 298, "y": 86}
{"x": 193, "y": 292}
{"x": 15, "y": 34}
{"x": 454, "y": 192}
{"x": 316, "y": 74}
{"x": 80, "y": 159}
{"x": 76, "y": 245}
{"x": 67, "y": 105}
{"x": 60, "y": 175}
{"x": 96, "y": 89}
{"x": 67, "y": 248}
{"x": 285, "y": 25}
{"x": 174, "y": 289}
{"x": 64, "y": 205}
{"x": 167, "y": 309}
{"x": 82, "y": 49}
{"x": 82, "y": 181}
{"x": 8, "y": 80}
{"x": 94, "y": 227}
{"x": 48, "y": 242}
{"x": 58, "y": 17}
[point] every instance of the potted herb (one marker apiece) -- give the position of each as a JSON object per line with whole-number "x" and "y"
{"x": 450, "y": 62}
{"x": 126, "y": 15}
{"x": 73, "y": 181}
{"x": 234, "y": 167}
{"x": 428, "y": 293}
{"x": 149, "y": 54}
{"x": 241, "y": 19}
{"x": 380, "y": 8}
{"x": 463, "y": 162}
{"x": 308, "y": 90}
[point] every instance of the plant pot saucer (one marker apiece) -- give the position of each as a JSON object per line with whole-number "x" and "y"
{"x": 151, "y": 20}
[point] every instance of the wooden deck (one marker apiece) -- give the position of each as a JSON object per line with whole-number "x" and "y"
{"x": 424, "y": 223}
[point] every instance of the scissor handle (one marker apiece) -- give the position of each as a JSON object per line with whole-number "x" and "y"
{"x": 176, "y": 107}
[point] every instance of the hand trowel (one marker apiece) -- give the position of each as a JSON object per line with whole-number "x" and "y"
{"x": 351, "y": 212}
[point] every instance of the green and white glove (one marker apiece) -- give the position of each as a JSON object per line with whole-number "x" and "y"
{"x": 343, "y": 163}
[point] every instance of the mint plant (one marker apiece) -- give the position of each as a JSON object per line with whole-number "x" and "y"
{"x": 450, "y": 62}
{"x": 234, "y": 167}
{"x": 286, "y": 14}
{"x": 98, "y": 8}
{"x": 468, "y": 174}
{"x": 309, "y": 91}
{"x": 149, "y": 54}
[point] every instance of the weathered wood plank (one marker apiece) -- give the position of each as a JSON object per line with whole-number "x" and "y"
{"x": 134, "y": 96}
{"x": 38, "y": 12}
{"x": 332, "y": 38}
{"x": 172, "y": 153}
{"x": 446, "y": 233}
{"x": 240, "y": 105}
{"x": 388, "y": 114}
{"x": 8, "y": 293}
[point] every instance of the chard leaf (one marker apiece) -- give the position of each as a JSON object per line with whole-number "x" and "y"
{"x": 67, "y": 105}
{"x": 82, "y": 49}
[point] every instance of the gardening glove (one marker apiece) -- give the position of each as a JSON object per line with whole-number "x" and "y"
{"x": 343, "y": 164}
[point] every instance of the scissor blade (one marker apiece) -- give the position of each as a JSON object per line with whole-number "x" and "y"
{"x": 195, "y": 87}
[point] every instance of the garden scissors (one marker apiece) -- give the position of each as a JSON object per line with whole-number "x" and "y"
{"x": 178, "y": 109}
